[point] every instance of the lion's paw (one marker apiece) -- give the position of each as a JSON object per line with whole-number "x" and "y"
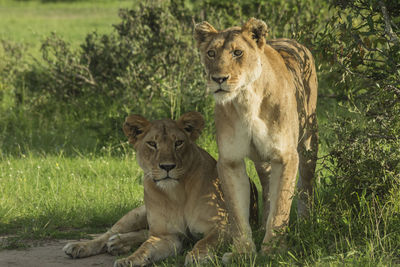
{"x": 78, "y": 250}
{"x": 130, "y": 262}
{"x": 231, "y": 258}
{"x": 275, "y": 245}
{"x": 227, "y": 258}
{"x": 196, "y": 259}
{"x": 115, "y": 245}
{"x": 123, "y": 263}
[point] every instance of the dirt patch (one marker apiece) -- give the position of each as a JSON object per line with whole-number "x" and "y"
{"x": 50, "y": 254}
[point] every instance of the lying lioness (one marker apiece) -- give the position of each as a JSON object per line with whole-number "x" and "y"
{"x": 181, "y": 194}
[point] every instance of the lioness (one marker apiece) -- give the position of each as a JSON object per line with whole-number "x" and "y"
{"x": 265, "y": 100}
{"x": 181, "y": 196}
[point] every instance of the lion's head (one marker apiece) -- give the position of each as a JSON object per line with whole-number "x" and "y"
{"x": 164, "y": 148}
{"x": 231, "y": 57}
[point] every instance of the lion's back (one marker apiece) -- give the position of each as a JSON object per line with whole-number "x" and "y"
{"x": 300, "y": 63}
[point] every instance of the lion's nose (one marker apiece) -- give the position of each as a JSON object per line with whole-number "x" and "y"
{"x": 167, "y": 167}
{"x": 220, "y": 79}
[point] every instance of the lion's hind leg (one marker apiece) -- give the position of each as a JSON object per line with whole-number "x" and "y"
{"x": 281, "y": 189}
{"x": 308, "y": 154}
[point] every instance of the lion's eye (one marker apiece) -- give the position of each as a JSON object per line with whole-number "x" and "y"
{"x": 152, "y": 144}
{"x": 211, "y": 53}
{"x": 237, "y": 53}
{"x": 178, "y": 143}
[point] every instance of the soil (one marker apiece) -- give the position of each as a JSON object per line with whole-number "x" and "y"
{"x": 50, "y": 254}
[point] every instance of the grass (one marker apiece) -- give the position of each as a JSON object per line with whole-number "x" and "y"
{"x": 58, "y": 196}
{"x": 49, "y": 196}
{"x": 46, "y": 196}
{"x": 30, "y": 22}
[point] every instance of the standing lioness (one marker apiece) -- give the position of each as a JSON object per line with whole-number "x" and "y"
{"x": 265, "y": 94}
{"x": 181, "y": 196}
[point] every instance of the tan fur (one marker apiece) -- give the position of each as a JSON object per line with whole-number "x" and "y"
{"x": 265, "y": 94}
{"x": 189, "y": 202}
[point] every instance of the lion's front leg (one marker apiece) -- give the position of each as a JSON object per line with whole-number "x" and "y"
{"x": 281, "y": 189}
{"x": 129, "y": 231}
{"x": 123, "y": 243}
{"x": 87, "y": 248}
{"x": 135, "y": 220}
{"x": 154, "y": 249}
{"x": 236, "y": 187}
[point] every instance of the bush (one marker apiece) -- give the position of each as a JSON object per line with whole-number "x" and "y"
{"x": 148, "y": 66}
{"x": 298, "y": 19}
{"x": 361, "y": 173}
{"x": 365, "y": 148}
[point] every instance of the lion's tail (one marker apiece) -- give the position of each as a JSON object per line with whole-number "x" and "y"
{"x": 253, "y": 204}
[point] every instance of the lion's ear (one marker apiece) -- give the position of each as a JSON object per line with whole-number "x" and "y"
{"x": 192, "y": 123}
{"x": 134, "y": 126}
{"x": 257, "y": 29}
{"x": 202, "y": 31}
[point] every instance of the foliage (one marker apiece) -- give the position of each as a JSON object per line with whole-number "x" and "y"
{"x": 366, "y": 56}
{"x": 144, "y": 63}
{"x": 361, "y": 49}
{"x": 51, "y": 1}
{"x": 298, "y": 19}
{"x": 148, "y": 61}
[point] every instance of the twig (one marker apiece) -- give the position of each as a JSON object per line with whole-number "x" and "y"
{"x": 379, "y": 136}
{"x": 90, "y": 80}
{"x": 333, "y": 96}
{"x": 388, "y": 27}
{"x": 393, "y": 89}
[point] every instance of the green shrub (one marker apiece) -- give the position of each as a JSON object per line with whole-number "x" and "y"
{"x": 361, "y": 173}
{"x": 298, "y": 19}
{"x": 365, "y": 148}
{"x": 148, "y": 66}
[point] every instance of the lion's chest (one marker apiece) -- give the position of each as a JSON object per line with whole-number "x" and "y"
{"x": 246, "y": 137}
{"x": 164, "y": 214}
{"x": 200, "y": 213}
{"x": 263, "y": 142}
{"x": 166, "y": 221}
{"x": 196, "y": 212}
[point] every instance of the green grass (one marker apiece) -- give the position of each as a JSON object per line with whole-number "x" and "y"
{"x": 30, "y": 22}
{"x": 67, "y": 197}
{"x": 56, "y": 196}
{"x": 44, "y": 196}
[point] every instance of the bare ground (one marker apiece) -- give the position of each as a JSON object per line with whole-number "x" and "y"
{"x": 50, "y": 254}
